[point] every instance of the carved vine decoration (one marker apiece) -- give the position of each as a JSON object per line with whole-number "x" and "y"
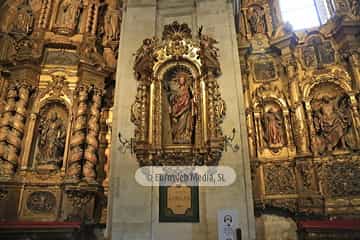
{"x": 79, "y": 198}
{"x": 286, "y": 204}
{"x": 18, "y": 48}
{"x": 279, "y": 179}
{"x": 340, "y": 178}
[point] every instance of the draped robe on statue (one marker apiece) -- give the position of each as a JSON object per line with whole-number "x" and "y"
{"x": 181, "y": 111}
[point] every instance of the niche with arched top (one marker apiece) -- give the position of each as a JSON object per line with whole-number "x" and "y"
{"x": 50, "y": 137}
{"x": 272, "y": 124}
{"x": 179, "y": 106}
{"x": 178, "y": 109}
{"x": 273, "y": 127}
{"x": 332, "y": 119}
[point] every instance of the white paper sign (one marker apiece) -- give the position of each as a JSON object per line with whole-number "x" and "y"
{"x": 228, "y": 222}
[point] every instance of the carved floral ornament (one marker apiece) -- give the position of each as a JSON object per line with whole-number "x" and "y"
{"x": 178, "y": 108}
{"x": 57, "y": 88}
{"x": 79, "y": 198}
{"x": 41, "y": 202}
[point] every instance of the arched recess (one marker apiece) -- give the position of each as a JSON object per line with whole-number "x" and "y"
{"x": 55, "y": 97}
{"x": 272, "y": 124}
{"x": 332, "y": 115}
{"x": 177, "y": 83}
{"x": 180, "y": 84}
{"x": 51, "y": 136}
{"x": 67, "y": 17}
{"x": 258, "y": 18}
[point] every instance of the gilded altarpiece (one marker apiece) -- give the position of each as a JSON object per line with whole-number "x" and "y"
{"x": 301, "y": 91}
{"x": 57, "y": 58}
{"x": 178, "y": 109}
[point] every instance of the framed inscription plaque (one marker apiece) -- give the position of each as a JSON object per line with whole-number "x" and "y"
{"x": 179, "y": 204}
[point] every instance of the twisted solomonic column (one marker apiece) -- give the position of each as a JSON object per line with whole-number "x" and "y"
{"x": 7, "y": 168}
{"x": 78, "y": 138}
{"x": 92, "y": 142}
{"x": 16, "y": 135}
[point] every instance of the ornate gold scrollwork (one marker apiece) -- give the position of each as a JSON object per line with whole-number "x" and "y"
{"x": 178, "y": 107}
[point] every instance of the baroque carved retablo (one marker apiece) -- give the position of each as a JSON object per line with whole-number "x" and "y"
{"x": 178, "y": 108}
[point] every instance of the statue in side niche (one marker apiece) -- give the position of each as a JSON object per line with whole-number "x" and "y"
{"x": 24, "y": 19}
{"x": 51, "y": 144}
{"x": 256, "y": 19}
{"x": 112, "y": 25}
{"x": 273, "y": 128}
{"x": 69, "y": 14}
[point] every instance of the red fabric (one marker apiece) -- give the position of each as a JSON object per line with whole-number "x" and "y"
{"x": 330, "y": 224}
{"x": 182, "y": 101}
{"x": 39, "y": 225}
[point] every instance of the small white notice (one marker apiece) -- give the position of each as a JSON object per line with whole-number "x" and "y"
{"x": 228, "y": 222}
